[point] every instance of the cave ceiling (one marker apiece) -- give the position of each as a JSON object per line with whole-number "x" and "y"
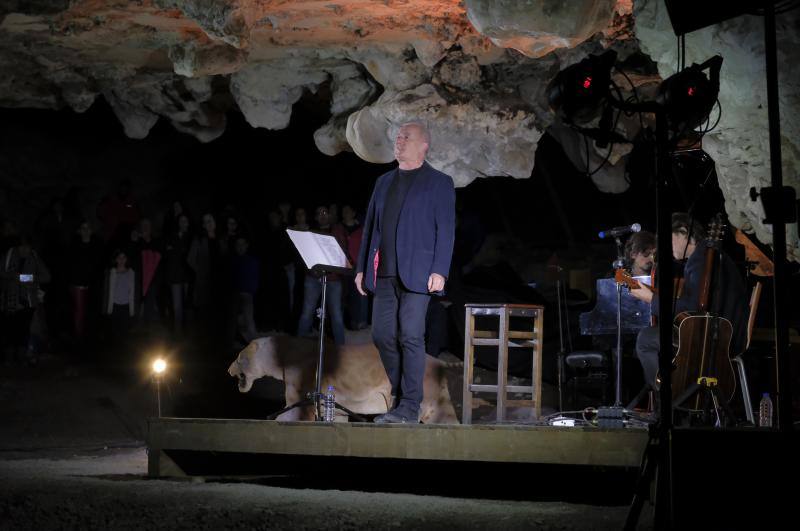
{"x": 476, "y": 71}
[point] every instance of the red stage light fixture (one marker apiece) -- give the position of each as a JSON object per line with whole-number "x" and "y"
{"x": 688, "y": 96}
{"x": 576, "y": 94}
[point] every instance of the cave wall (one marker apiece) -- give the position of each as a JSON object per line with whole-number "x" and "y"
{"x": 475, "y": 70}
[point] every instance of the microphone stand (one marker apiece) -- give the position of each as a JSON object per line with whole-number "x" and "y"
{"x": 619, "y": 263}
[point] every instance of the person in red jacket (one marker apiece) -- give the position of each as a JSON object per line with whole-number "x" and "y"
{"x": 356, "y": 305}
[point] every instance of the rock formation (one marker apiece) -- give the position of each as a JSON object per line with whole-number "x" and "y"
{"x": 476, "y": 71}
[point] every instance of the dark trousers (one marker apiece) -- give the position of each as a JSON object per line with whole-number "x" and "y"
{"x": 80, "y": 304}
{"x": 647, "y": 347}
{"x": 15, "y": 333}
{"x": 398, "y": 329}
{"x": 120, "y": 324}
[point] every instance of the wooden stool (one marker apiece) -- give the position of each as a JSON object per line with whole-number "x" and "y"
{"x": 505, "y": 338}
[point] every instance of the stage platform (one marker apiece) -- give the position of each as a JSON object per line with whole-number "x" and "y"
{"x": 504, "y": 443}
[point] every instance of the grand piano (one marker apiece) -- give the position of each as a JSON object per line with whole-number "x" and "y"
{"x": 602, "y": 319}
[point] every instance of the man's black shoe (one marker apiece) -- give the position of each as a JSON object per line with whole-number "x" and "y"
{"x": 396, "y": 417}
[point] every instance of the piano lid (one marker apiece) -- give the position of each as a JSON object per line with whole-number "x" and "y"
{"x": 602, "y": 319}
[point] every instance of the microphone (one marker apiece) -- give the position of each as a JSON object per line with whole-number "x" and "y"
{"x": 619, "y": 231}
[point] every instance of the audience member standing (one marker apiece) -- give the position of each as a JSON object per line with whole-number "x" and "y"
{"x": 119, "y": 301}
{"x": 119, "y": 213}
{"x": 273, "y": 296}
{"x": 312, "y": 287}
{"x": 244, "y": 280}
{"x": 84, "y": 266}
{"x": 204, "y": 259}
{"x": 22, "y": 273}
{"x": 8, "y": 236}
{"x": 55, "y": 231}
{"x": 357, "y": 306}
{"x": 227, "y": 240}
{"x": 295, "y": 270}
{"x": 176, "y": 269}
{"x": 170, "y": 222}
{"x": 148, "y": 260}
{"x": 285, "y": 209}
{"x": 333, "y": 213}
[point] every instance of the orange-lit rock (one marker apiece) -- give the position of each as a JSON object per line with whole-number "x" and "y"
{"x": 475, "y": 70}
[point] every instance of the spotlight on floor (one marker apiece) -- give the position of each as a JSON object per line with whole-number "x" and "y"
{"x": 159, "y": 366}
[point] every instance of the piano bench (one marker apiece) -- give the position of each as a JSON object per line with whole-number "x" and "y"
{"x": 586, "y": 359}
{"x": 589, "y": 370}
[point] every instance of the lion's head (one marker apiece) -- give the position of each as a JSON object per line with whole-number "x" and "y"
{"x": 256, "y": 360}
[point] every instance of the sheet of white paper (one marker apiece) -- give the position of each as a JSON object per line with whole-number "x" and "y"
{"x": 321, "y": 249}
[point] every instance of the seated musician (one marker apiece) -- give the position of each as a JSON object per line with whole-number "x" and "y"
{"x": 640, "y": 250}
{"x": 689, "y": 248}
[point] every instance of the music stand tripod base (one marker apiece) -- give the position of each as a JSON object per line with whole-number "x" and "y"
{"x": 310, "y": 400}
{"x": 316, "y": 397}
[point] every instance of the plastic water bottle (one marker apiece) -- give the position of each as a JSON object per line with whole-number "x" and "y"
{"x": 765, "y": 411}
{"x": 329, "y": 405}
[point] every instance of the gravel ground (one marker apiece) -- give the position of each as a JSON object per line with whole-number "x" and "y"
{"x": 107, "y": 489}
{"x": 72, "y": 457}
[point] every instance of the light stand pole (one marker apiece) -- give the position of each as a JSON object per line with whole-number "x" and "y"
{"x": 779, "y": 219}
{"x": 159, "y": 366}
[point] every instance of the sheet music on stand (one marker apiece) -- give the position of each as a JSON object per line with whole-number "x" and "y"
{"x": 319, "y": 249}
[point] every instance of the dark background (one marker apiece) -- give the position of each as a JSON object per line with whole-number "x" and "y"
{"x": 45, "y": 154}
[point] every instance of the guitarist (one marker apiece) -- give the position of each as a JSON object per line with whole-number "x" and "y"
{"x": 640, "y": 250}
{"x": 688, "y": 244}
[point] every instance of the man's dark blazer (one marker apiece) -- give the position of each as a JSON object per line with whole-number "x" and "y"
{"x": 425, "y": 229}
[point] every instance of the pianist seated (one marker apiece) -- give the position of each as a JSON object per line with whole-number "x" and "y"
{"x": 640, "y": 251}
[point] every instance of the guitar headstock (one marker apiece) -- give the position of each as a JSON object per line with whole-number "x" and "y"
{"x": 716, "y": 230}
{"x": 623, "y": 277}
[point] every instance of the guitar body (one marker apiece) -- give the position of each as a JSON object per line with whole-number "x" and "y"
{"x": 702, "y": 352}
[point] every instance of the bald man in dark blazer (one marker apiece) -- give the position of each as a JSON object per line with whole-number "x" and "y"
{"x": 404, "y": 259}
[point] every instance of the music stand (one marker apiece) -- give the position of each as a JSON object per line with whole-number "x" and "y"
{"x": 321, "y": 248}
{"x": 562, "y": 353}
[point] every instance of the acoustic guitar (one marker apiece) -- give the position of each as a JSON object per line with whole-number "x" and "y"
{"x": 704, "y": 338}
{"x": 623, "y": 277}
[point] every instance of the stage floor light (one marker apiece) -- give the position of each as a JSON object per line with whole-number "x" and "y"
{"x": 159, "y": 366}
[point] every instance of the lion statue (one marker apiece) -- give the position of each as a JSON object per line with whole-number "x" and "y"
{"x": 355, "y": 372}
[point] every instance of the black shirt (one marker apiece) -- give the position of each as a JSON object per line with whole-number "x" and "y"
{"x": 395, "y": 197}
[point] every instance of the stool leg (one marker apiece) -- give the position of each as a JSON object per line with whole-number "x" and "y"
{"x": 502, "y": 364}
{"x": 574, "y": 391}
{"x": 469, "y": 360}
{"x": 536, "y": 381}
